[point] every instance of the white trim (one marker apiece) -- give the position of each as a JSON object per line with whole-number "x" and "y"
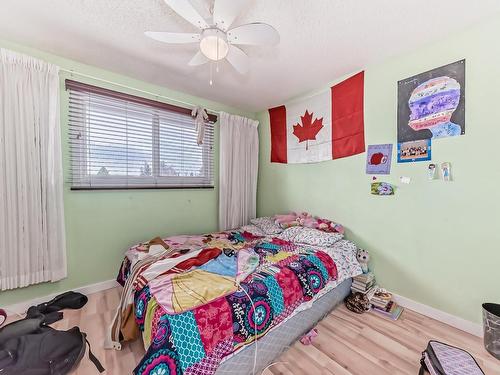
{"x": 21, "y": 307}
{"x": 452, "y": 320}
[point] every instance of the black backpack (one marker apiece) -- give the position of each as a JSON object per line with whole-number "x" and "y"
{"x": 31, "y": 347}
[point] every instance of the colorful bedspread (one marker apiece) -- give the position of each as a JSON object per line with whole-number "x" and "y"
{"x": 234, "y": 288}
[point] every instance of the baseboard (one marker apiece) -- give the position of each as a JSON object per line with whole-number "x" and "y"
{"x": 21, "y": 307}
{"x": 452, "y": 320}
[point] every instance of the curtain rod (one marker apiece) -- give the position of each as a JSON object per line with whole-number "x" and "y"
{"x": 136, "y": 89}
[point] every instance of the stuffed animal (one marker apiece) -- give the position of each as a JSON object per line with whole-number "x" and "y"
{"x": 308, "y": 338}
{"x": 287, "y": 219}
{"x": 305, "y": 219}
{"x": 200, "y": 116}
{"x": 294, "y": 219}
{"x": 3, "y": 317}
{"x": 328, "y": 226}
{"x": 363, "y": 259}
{"x": 357, "y": 302}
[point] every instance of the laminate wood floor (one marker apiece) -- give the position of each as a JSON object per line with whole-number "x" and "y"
{"x": 348, "y": 344}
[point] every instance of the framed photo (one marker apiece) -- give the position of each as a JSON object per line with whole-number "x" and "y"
{"x": 378, "y": 159}
{"x": 414, "y": 151}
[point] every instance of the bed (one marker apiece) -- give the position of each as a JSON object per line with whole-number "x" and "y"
{"x": 208, "y": 304}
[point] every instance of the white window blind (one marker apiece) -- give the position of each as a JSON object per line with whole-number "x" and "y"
{"x": 123, "y": 141}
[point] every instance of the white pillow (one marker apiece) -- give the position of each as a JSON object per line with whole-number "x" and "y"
{"x": 254, "y": 229}
{"x": 289, "y": 234}
{"x": 267, "y": 225}
{"x": 315, "y": 237}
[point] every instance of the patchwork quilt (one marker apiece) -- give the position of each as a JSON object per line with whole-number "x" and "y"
{"x": 207, "y": 297}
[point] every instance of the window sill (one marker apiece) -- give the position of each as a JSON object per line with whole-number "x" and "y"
{"x": 180, "y": 187}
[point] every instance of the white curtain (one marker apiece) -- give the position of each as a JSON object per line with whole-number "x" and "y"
{"x": 32, "y": 240}
{"x": 239, "y": 159}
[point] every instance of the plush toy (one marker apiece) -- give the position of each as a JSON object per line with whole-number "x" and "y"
{"x": 357, "y": 302}
{"x": 200, "y": 116}
{"x": 3, "y": 317}
{"x": 295, "y": 219}
{"x": 363, "y": 259}
{"x": 308, "y": 338}
{"x": 328, "y": 226}
{"x": 286, "y": 219}
{"x": 305, "y": 219}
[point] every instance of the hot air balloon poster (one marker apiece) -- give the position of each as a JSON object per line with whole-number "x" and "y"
{"x": 378, "y": 159}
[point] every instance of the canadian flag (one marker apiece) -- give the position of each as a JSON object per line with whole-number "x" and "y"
{"x": 326, "y": 126}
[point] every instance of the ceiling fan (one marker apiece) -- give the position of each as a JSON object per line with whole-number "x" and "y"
{"x": 217, "y": 40}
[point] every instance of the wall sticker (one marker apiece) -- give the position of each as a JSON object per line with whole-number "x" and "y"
{"x": 446, "y": 171}
{"x": 382, "y": 188}
{"x": 431, "y": 172}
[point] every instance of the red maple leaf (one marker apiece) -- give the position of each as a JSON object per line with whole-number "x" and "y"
{"x": 309, "y": 129}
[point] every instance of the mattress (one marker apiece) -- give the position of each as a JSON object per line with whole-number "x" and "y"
{"x": 278, "y": 340}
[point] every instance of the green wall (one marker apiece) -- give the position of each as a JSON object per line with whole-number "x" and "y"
{"x": 434, "y": 242}
{"x": 101, "y": 225}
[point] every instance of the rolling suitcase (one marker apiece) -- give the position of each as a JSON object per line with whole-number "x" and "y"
{"x": 444, "y": 359}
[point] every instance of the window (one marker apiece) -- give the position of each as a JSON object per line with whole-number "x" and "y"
{"x": 123, "y": 141}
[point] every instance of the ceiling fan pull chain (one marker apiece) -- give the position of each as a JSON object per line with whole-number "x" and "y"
{"x": 211, "y": 73}
{"x": 217, "y": 61}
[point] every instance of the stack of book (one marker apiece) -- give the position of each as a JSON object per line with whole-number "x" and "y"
{"x": 391, "y": 311}
{"x": 381, "y": 299}
{"x": 383, "y": 304}
{"x": 364, "y": 283}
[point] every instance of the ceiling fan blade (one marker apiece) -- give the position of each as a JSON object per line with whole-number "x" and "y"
{"x": 226, "y": 11}
{"x": 184, "y": 9}
{"x": 174, "y": 38}
{"x": 238, "y": 59}
{"x": 198, "y": 59}
{"x": 254, "y": 33}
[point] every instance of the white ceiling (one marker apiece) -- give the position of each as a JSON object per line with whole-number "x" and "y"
{"x": 320, "y": 40}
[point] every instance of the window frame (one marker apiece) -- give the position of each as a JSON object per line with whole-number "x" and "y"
{"x": 155, "y": 181}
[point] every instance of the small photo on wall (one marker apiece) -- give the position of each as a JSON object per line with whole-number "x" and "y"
{"x": 432, "y": 104}
{"x": 414, "y": 151}
{"x": 378, "y": 159}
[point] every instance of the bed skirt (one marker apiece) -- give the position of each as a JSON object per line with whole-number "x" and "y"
{"x": 274, "y": 343}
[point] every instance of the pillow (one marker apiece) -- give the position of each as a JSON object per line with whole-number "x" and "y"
{"x": 289, "y": 224}
{"x": 267, "y": 225}
{"x": 315, "y": 237}
{"x": 254, "y": 229}
{"x": 289, "y": 234}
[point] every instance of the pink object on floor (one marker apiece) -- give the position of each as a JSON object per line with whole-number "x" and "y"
{"x": 308, "y": 338}
{"x": 3, "y": 317}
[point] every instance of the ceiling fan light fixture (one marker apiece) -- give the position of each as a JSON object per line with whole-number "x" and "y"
{"x": 214, "y": 44}
{"x": 217, "y": 37}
